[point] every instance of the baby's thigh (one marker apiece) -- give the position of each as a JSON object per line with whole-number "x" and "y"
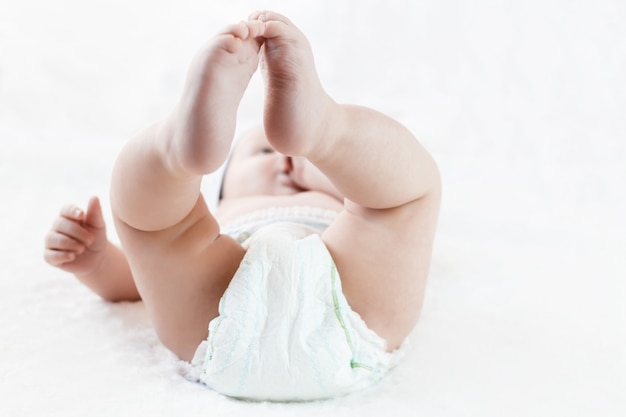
{"x": 383, "y": 258}
{"x": 181, "y": 274}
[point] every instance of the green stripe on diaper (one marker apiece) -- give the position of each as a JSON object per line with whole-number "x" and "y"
{"x": 360, "y": 365}
{"x": 333, "y": 281}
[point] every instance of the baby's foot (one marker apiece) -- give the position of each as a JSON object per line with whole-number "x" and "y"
{"x": 297, "y": 109}
{"x": 203, "y": 123}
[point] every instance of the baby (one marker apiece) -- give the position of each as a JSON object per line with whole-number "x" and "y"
{"x": 311, "y": 272}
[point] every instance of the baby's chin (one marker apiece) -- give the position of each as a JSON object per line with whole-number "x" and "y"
{"x": 290, "y": 186}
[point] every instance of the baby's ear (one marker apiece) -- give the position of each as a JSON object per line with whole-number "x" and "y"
{"x": 94, "y": 216}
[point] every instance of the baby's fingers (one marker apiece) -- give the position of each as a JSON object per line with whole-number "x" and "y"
{"x": 72, "y": 212}
{"x": 57, "y": 257}
{"x": 60, "y": 242}
{"x": 61, "y": 249}
{"x": 72, "y": 229}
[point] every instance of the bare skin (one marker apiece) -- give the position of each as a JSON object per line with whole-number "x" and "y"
{"x": 77, "y": 243}
{"x": 314, "y": 152}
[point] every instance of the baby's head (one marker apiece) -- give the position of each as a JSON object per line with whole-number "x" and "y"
{"x": 255, "y": 168}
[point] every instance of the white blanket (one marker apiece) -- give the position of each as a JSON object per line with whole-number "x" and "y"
{"x": 523, "y": 105}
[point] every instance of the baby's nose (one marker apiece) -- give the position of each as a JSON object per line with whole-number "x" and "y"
{"x": 286, "y": 164}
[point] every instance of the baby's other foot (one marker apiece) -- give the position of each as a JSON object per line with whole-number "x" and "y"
{"x": 203, "y": 123}
{"x": 297, "y": 109}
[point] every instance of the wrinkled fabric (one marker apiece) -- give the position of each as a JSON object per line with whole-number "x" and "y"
{"x": 285, "y": 331}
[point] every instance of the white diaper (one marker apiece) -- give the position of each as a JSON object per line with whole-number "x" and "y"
{"x": 285, "y": 331}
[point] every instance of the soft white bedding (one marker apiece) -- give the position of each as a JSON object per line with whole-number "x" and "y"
{"x": 521, "y": 103}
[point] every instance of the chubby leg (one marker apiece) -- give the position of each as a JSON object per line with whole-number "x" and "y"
{"x": 179, "y": 261}
{"x": 382, "y": 242}
{"x": 163, "y": 166}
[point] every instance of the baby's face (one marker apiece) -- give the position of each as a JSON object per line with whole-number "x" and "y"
{"x": 255, "y": 169}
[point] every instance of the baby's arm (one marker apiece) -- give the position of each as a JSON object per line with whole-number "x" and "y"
{"x": 77, "y": 243}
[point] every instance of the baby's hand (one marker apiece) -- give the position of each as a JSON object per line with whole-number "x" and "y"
{"x": 77, "y": 241}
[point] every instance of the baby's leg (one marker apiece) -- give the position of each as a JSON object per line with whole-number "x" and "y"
{"x": 382, "y": 242}
{"x": 180, "y": 262}
{"x": 161, "y": 169}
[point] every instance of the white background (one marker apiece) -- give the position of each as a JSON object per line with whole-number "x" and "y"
{"x": 523, "y": 105}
